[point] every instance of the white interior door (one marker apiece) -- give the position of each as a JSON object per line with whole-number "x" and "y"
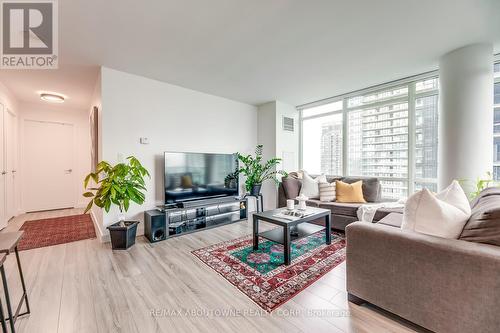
{"x": 3, "y": 220}
{"x": 48, "y": 166}
{"x": 10, "y": 164}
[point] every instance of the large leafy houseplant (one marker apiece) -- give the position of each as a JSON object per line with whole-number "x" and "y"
{"x": 480, "y": 184}
{"x": 256, "y": 171}
{"x": 119, "y": 185}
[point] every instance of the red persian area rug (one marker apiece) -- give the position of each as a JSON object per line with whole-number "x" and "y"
{"x": 261, "y": 274}
{"x": 58, "y": 230}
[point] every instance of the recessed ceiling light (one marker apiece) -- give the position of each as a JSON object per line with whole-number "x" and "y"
{"x": 53, "y": 98}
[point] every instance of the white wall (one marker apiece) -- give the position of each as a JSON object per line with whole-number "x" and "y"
{"x": 266, "y": 136}
{"x": 277, "y": 143}
{"x": 59, "y": 113}
{"x": 466, "y": 114}
{"x": 173, "y": 118}
{"x": 287, "y": 143}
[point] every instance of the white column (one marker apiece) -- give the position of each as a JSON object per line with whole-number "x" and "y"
{"x": 266, "y": 135}
{"x": 277, "y": 143}
{"x": 466, "y": 114}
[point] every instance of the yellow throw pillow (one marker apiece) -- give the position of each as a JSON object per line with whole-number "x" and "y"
{"x": 349, "y": 193}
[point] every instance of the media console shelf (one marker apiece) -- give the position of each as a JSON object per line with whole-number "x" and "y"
{"x": 160, "y": 224}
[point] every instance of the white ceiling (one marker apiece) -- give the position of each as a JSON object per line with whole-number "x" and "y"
{"x": 75, "y": 82}
{"x": 256, "y": 51}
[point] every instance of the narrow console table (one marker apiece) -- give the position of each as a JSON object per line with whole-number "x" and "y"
{"x": 285, "y": 236}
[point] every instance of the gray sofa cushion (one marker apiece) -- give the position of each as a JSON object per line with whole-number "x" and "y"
{"x": 351, "y": 209}
{"x": 291, "y": 187}
{"x": 337, "y": 208}
{"x": 392, "y": 219}
{"x": 484, "y": 193}
{"x": 332, "y": 179}
{"x": 339, "y": 222}
{"x": 383, "y": 212}
{"x": 313, "y": 203}
{"x": 371, "y": 187}
{"x": 293, "y": 174}
{"x": 484, "y": 223}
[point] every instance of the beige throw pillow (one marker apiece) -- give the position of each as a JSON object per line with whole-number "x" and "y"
{"x": 310, "y": 186}
{"x": 327, "y": 192}
{"x": 443, "y": 214}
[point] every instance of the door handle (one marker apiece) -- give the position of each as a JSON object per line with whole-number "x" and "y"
{"x": 69, "y": 170}
{"x": 14, "y": 171}
{"x": 4, "y": 172}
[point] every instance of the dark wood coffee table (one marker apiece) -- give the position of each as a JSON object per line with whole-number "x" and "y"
{"x": 283, "y": 235}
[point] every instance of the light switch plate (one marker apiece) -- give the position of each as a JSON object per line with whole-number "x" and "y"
{"x": 144, "y": 141}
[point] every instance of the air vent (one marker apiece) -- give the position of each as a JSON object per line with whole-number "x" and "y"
{"x": 288, "y": 124}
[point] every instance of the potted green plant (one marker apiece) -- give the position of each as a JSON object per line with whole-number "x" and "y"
{"x": 118, "y": 185}
{"x": 256, "y": 171}
{"x": 480, "y": 184}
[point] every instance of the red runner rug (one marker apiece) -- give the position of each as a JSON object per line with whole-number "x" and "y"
{"x": 261, "y": 274}
{"x": 58, "y": 230}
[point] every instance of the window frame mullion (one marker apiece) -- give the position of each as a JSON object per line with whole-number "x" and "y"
{"x": 411, "y": 137}
{"x": 345, "y": 138}
{"x": 301, "y": 140}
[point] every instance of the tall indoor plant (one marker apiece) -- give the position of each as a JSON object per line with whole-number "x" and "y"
{"x": 479, "y": 185}
{"x": 256, "y": 171}
{"x": 118, "y": 185}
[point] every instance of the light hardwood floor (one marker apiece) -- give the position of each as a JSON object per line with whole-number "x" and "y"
{"x": 85, "y": 287}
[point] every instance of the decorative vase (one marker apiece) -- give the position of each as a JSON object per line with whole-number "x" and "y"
{"x": 302, "y": 202}
{"x": 255, "y": 191}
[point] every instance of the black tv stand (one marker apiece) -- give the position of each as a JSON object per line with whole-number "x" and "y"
{"x": 186, "y": 217}
{"x": 205, "y": 202}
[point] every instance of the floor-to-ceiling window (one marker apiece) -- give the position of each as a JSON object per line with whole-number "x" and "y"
{"x": 388, "y": 132}
{"x": 322, "y": 131}
{"x": 426, "y": 134}
{"x": 378, "y": 138}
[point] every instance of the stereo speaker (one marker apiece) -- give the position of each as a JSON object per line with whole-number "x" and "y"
{"x": 155, "y": 227}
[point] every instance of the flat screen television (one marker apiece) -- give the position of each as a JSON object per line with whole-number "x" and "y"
{"x": 194, "y": 176}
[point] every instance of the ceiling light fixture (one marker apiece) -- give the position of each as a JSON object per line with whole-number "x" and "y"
{"x": 53, "y": 98}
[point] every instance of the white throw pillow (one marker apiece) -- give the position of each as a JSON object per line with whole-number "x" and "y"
{"x": 310, "y": 186}
{"x": 443, "y": 214}
{"x": 326, "y": 192}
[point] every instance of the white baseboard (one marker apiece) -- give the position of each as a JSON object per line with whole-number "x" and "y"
{"x": 103, "y": 238}
{"x": 103, "y": 235}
